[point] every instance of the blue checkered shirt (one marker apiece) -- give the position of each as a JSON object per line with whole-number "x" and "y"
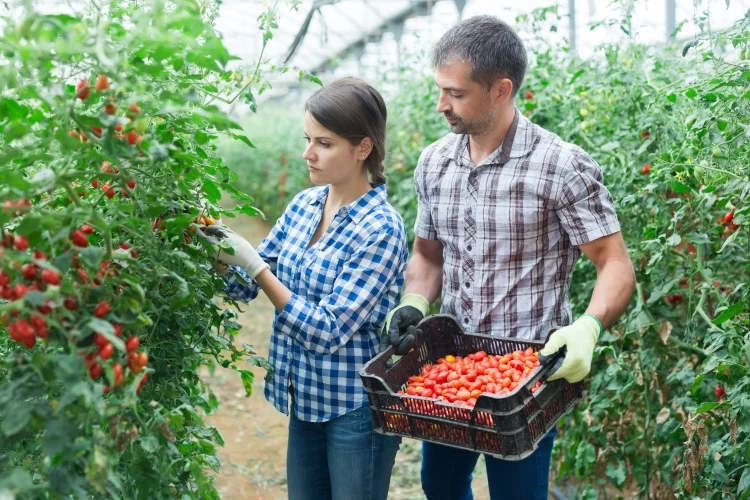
{"x": 342, "y": 288}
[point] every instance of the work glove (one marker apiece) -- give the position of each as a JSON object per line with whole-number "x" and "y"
{"x": 244, "y": 255}
{"x": 579, "y": 340}
{"x": 401, "y": 322}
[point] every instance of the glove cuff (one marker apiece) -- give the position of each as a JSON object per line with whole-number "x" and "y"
{"x": 416, "y": 301}
{"x": 593, "y": 324}
{"x": 255, "y": 268}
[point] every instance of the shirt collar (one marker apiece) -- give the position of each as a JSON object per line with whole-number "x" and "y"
{"x": 519, "y": 140}
{"x": 360, "y": 207}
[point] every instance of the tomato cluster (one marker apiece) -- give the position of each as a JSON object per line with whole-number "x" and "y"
{"x": 134, "y": 136}
{"x": 461, "y": 380}
{"x": 65, "y": 296}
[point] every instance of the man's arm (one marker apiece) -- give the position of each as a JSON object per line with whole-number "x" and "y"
{"x": 424, "y": 272}
{"x": 615, "y": 278}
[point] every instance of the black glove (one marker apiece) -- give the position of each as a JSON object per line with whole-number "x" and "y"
{"x": 402, "y": 328}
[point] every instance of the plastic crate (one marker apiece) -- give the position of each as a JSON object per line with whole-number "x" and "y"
{"x": 507, "y": 426}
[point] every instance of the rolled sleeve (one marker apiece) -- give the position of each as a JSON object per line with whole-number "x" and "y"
{"x": 424, "y": 226}
{"x": 365, "y": 278}
{"x": 585, "y": 207}
{"x": 239, "y": 284}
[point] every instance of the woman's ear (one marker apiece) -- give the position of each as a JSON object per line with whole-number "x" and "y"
{"x": 364, "y": 149}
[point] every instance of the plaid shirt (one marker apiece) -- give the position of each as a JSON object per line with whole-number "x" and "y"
{"x": 342, "y": 287}
{"x": 511, "y": 227}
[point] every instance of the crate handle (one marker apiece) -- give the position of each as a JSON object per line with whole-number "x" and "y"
{"x": 553, "y": 362}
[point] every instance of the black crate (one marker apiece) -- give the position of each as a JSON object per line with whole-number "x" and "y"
{"x": 507, "y": 426}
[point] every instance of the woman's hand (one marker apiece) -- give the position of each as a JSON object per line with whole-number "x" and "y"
{"x": 232, "y": 249}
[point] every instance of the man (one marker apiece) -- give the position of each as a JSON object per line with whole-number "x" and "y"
{"x": 505, "y": 210}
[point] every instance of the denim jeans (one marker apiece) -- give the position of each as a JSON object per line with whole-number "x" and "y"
{"x": 447, "y": 473}
{"x": 343, "y": 459}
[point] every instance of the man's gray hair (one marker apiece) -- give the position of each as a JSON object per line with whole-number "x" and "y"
{"x": 490, "y": 46}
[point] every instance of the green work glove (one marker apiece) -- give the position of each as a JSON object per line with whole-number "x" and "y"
{"x": 579, "y": 340}
{"x": 401, "y": 322}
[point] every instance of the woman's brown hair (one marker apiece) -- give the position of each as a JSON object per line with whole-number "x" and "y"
{"x": 353, "y": 109}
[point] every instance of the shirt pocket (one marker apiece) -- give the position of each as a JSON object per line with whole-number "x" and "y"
{"x": 318, "y": 275}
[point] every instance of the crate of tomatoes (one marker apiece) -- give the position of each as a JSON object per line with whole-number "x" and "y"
{"x": 475, "y": 392}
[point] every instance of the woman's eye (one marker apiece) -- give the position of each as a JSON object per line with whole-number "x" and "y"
{"x": 307, "y": 139}
{"x": 324, "y": 145}
{"x": 456, "y": 96}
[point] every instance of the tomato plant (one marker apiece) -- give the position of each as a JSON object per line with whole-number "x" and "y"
{"x": 108, "y": 120}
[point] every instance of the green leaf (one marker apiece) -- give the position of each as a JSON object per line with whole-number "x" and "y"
{"x": 15, "y": 480}
{"x": 617, "y": 475}
{"x": 743, "y": 486}
{"x": 697, "y": 383}
{"x": 688, "y": 46}
{"x": 315, "y": 79}
{"x": 661, "y": 291}
{"x": 243, "y": 139}
{"x": 249, "y": 210}
{"x": 247, "y": 381}
{"x": 674, "y": 240}
{"x": 706, "y": 407}
{"x": 576, "y": 75}
{"x": 672, "y": 97}
{"x": 15, "y": 418}
{"x": 691, "y": 93}
{"x": 729, "y": 241}
{"x": 212, "y": 191}
{"x": 92, "y": 256}
{"x": 59, "y": 435}
{"x": 585, "y": 457}
{"x": 729, "y": 313}
{"x": 149, "y": 443}
{"x": 34, "y": 297}
{"x": 680, "y": 187}
{"x": 201, "y": 137}
{"x": 718, "y": 472}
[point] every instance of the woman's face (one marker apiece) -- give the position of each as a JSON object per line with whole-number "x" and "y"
{"x": 331, "y": 159}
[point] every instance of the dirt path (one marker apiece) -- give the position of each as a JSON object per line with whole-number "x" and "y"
{"x": 253, "y": 460}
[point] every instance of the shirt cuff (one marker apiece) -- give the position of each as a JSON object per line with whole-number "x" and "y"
{"x": 589, "y": 235}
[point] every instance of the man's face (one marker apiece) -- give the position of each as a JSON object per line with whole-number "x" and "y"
{"x": 467, "y": 106}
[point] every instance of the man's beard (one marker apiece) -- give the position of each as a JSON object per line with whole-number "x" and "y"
{"x": 476, "y": 127}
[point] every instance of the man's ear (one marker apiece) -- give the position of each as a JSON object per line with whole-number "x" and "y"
{"x": 502, "y": 90}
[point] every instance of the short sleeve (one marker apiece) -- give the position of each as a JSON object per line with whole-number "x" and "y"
{"x": 584, "y": 206}
{"x": 424, "y": 227}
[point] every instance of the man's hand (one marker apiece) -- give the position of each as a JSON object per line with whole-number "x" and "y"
{"x": 401, "y": 321}
{"x": 579, "y": 339}
{"x": 244, "y": 256}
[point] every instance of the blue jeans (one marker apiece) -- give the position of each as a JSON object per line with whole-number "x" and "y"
{"x": 343, "y": 459}
{"x": 447, "y": 473}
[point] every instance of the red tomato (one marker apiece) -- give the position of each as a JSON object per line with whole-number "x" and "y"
{"x": 95, "y": 371}
{"x": 50, "y": 277}
{"x": 21, "y": 243}
{"x": 101, "y": 309}
{"x": 142, "y": 359}
{"x": 132, "y": 344}
{"x": 106, "y": 352}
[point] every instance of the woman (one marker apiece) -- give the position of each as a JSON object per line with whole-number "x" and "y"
{"x": 333, "y": 266}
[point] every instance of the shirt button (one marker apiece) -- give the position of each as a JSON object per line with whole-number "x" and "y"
{"x": 467, "y": 284}
{"x": 466, "y": 321}
{"x": 468, "y": 248}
